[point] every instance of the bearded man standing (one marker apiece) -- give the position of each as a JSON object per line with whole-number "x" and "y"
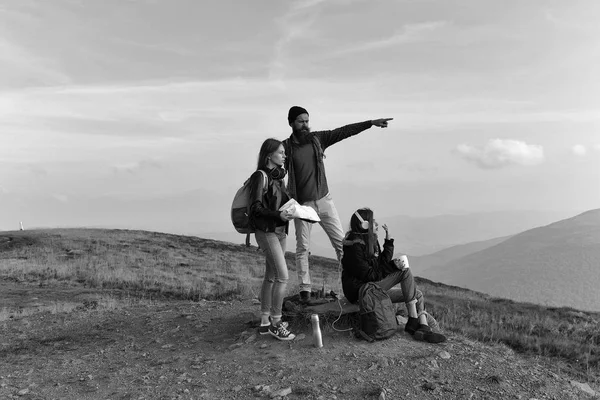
{"x": 307, "y": 183}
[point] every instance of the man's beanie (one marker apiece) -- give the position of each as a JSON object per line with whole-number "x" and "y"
{"x": 294, "y": 112}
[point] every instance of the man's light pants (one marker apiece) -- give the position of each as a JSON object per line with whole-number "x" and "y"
{"x": 330, "y": 221}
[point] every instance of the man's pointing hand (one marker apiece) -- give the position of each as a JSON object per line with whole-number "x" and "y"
{"x": 382, "y": 122}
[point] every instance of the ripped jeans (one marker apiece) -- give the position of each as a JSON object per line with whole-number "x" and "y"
{"x": 407, "y": 292}
{"x": 276, "y": 272}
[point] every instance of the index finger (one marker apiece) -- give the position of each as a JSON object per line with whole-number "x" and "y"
{"x": 388, "y": 119}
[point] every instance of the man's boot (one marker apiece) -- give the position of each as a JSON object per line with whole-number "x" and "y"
{"x": 304, "y": 297}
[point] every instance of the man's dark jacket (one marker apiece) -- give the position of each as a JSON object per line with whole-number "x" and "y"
{"x": 321, "y": 140}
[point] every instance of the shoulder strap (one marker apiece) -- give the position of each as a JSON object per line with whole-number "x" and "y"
{"x": 265, "y": 180}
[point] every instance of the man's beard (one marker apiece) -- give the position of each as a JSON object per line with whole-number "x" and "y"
{"x": 303, "y": 136}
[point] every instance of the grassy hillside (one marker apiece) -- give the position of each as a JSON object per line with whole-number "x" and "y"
{"x": 424, "y": 263}
{"x": 152, "y": 265}
{"x": 556, "y": 265}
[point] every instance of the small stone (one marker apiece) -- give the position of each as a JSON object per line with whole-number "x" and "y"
{"x": 301, "y": 336}
{"x": 264, "y": 346}
{"x": 428, "y": 386}
{"x": 434, "y": 364}
{"x": 235, "y": 346}
{"x": 23, "y": 392}
{"x": 281, "y": 392}
{"x": 444, "y": 354}
{"x": 237, "y": 388}
{"x": 251, "y": 339}
{"x": 584, "y": 387}
{"x": 266, "y": 388}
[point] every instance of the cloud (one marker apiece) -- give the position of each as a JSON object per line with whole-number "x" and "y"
{"x": 410, "y": 33}
{"x": 579, "y": 150}
{"x": 36, "y": 170}
{"x": 580, "y": 25}
{"x": 294, "y": 25}
{"x": 136, "y": 166}
{"x": 362, "y": 166}
{"x": 22, "y": 67}
{"x": 498, "y": 153}
{"x": 60, "y": 197}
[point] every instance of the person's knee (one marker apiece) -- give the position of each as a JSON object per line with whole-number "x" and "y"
{"x": 406, "y": 274}
{"x": 302, "y": 248}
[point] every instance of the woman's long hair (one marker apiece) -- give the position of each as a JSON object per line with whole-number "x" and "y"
{"x": 356, "y": 229}
{"x": 269, "y": 146}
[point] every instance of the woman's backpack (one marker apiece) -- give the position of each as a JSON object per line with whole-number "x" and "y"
{"x": 240, "y": 207}
{"x": 377, "y": 313}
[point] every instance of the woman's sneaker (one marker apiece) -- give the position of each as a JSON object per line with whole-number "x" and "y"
{"x": 264, "y": 330}
{"x": 281, "y": 332}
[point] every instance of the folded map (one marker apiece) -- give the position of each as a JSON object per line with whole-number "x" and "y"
{"x": 305, "y": 213}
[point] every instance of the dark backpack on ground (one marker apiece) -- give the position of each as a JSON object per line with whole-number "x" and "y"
{"x": 240, "y": 208}
{"x": 377, "y": 313}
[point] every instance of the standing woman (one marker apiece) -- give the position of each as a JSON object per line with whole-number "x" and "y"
{"x": 271, "y": 227}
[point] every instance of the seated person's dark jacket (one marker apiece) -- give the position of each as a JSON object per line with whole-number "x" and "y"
{"x": 264, "y": 214}
{"x": 359, "y": 268}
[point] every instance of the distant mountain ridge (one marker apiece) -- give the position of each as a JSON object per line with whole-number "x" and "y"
{"x": 418, "y": 236}
{"x": 557, "y": 265}
{"x": 423, "y": 263}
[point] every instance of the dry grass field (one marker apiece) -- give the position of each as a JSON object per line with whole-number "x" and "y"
{"x": 58, "y": 273}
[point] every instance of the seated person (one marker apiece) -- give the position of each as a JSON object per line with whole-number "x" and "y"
{"x": 363, "y": 261}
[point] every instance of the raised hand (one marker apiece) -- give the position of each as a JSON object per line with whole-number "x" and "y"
{"x": 381, "y": 122}
{"x": 387, "y": 233}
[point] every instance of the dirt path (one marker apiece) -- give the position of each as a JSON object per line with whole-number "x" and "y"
{"x": 184, "y": 350}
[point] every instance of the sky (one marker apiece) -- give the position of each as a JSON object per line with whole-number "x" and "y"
{"x": 149, "y": 114}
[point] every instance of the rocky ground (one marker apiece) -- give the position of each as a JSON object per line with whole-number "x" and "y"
{"x": 186, "y": 350}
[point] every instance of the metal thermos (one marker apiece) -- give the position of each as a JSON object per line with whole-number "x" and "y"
{"x": 317, "y": 339}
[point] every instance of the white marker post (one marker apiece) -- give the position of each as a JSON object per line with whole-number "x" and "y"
{"x": 21, "y": 224}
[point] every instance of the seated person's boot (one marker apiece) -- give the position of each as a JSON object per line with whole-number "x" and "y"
{"x": 411, "y": 325}
{"x": 425, "y": 333}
